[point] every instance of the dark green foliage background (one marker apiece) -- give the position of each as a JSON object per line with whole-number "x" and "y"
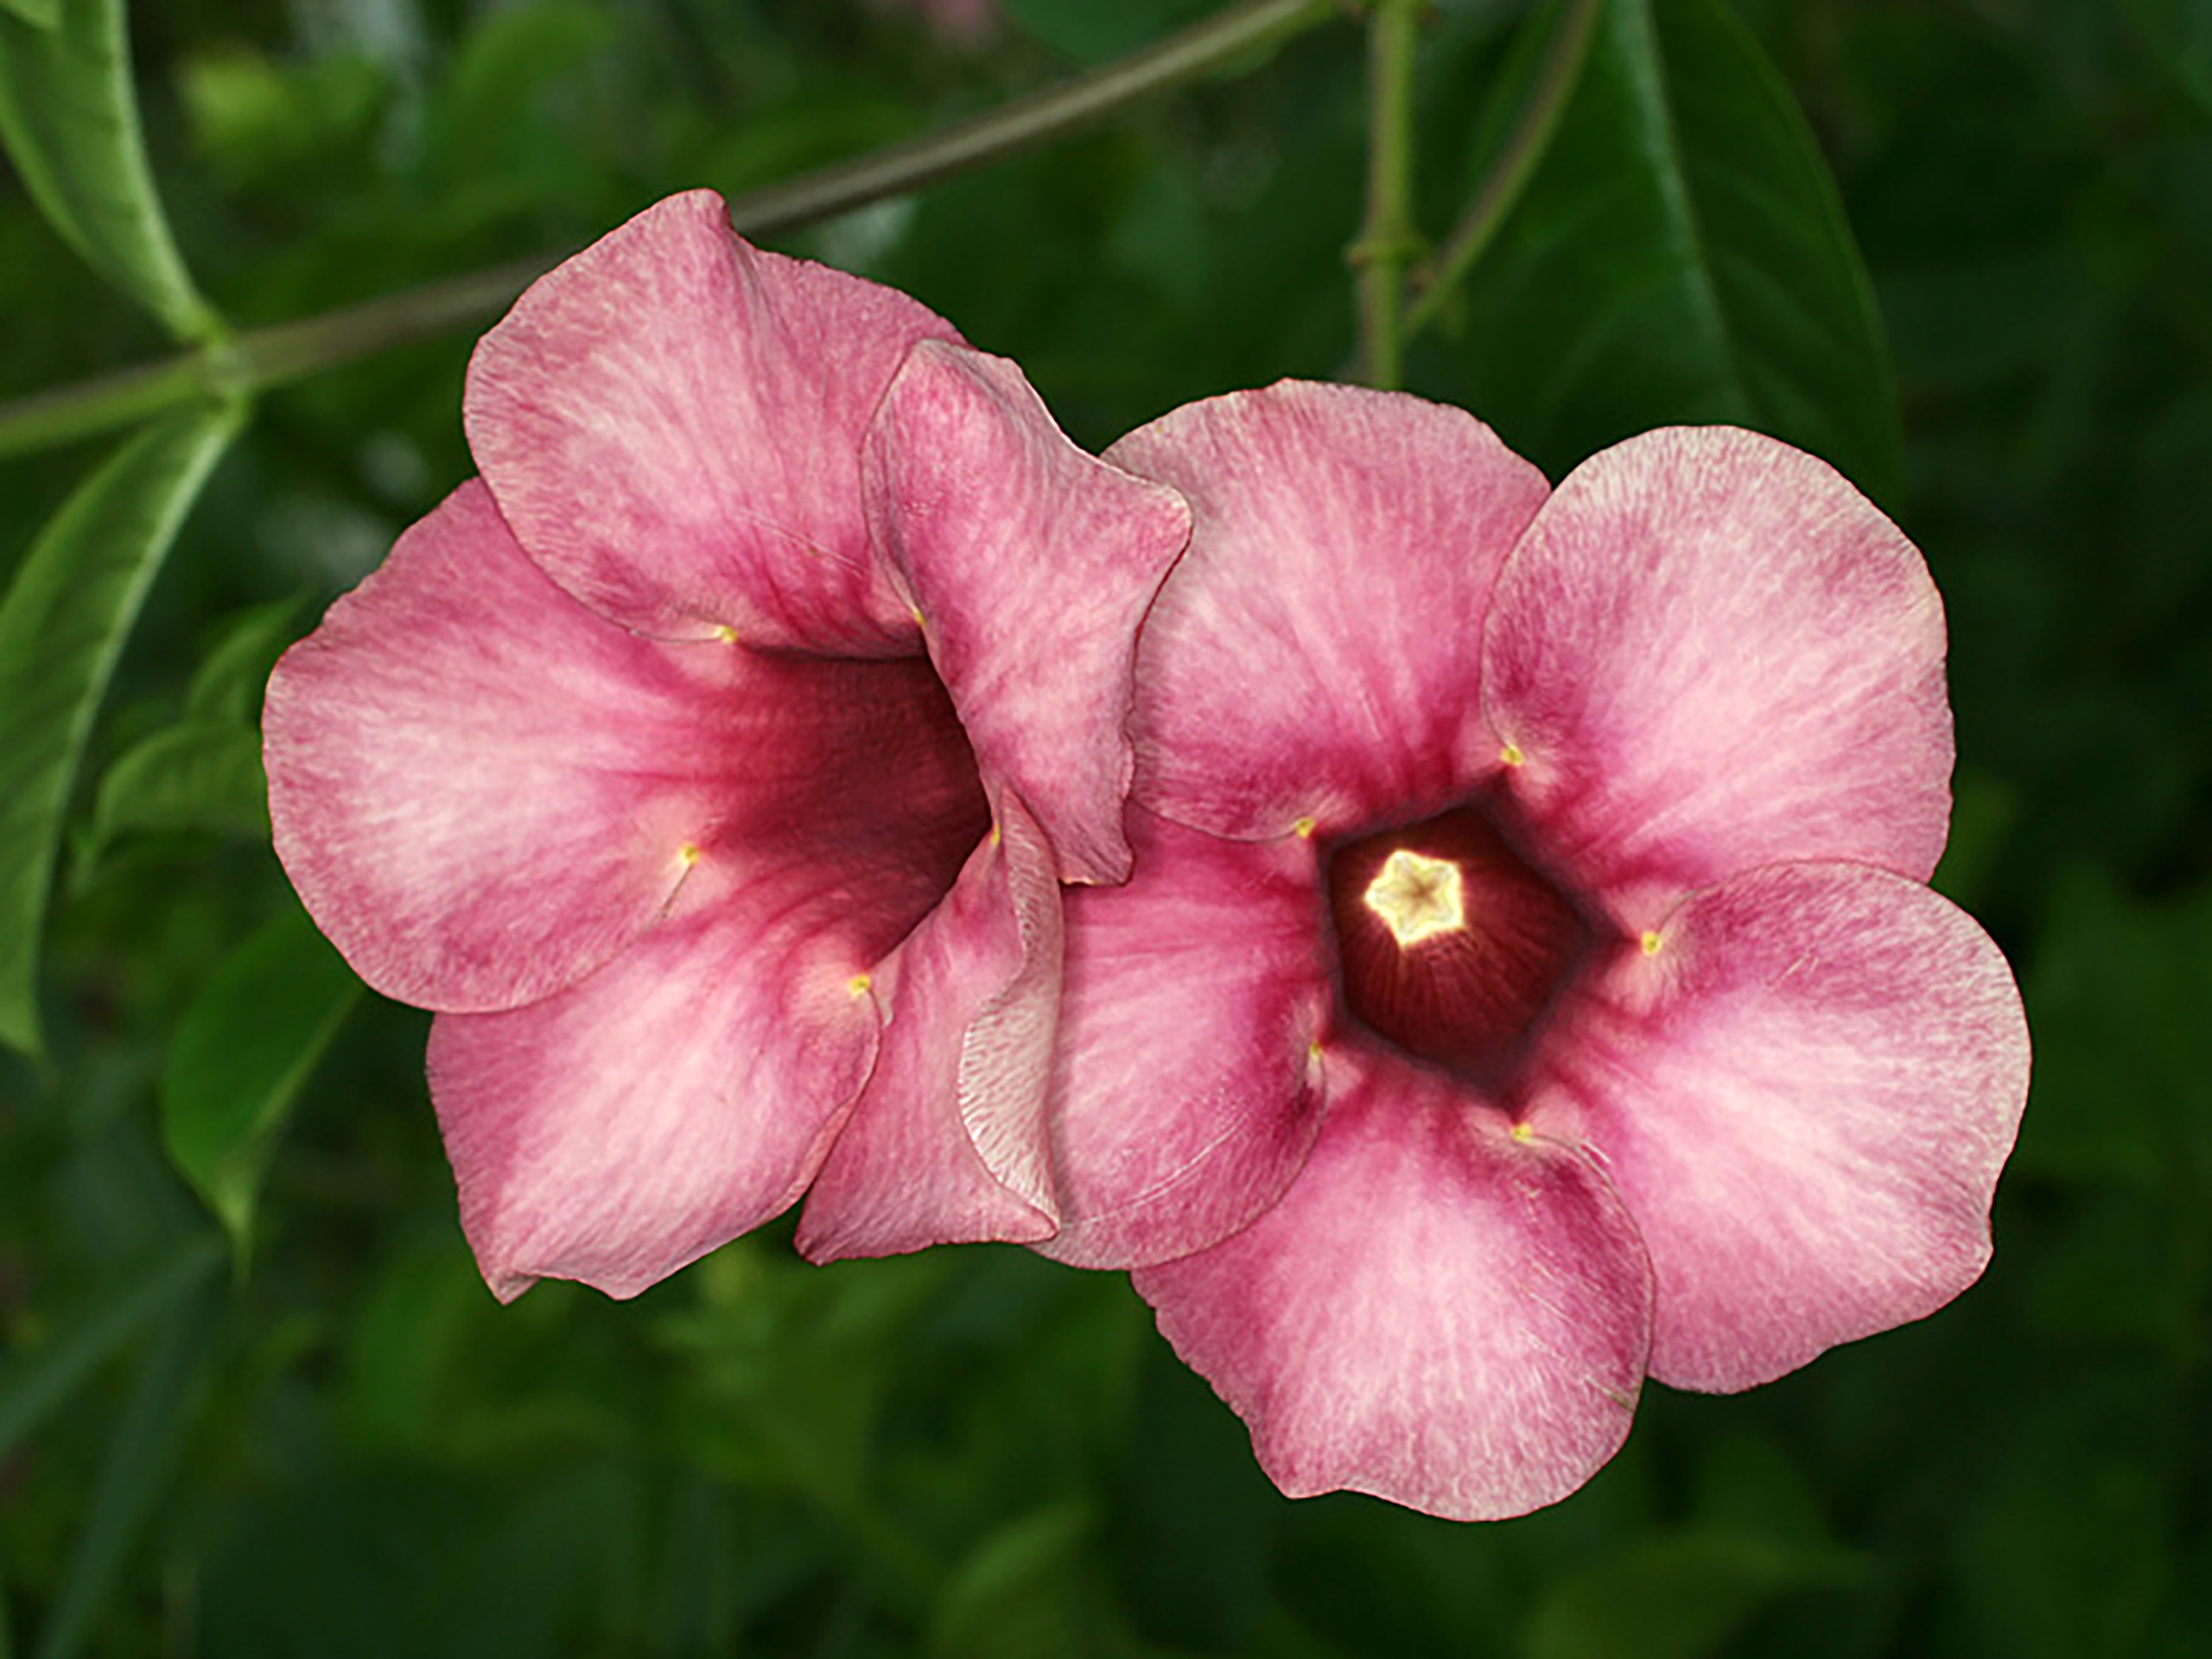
{"x": 338, "y": 1444}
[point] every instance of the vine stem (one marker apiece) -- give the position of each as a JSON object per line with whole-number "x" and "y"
{"x": 1432, "y": 282}
{"x": 256, "y": 360}
{"x": 1389, "y": 241}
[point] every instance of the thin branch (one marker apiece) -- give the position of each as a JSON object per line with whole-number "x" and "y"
{"x": 1389, "y": 241}
{"x": 1501, "y": 188}
{"x": 258, "y": 359}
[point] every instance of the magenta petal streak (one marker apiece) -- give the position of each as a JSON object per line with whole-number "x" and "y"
{"x": 671, "y": 421}
{"x": 677, "y": 1098}
{"x": 1438, "y": 1311}
{"x": 1315, "y": 656}
{"x": 1804, "y": 1095}
{"x": 1712, "y": 652}
{"x": 948, "y": 1142}
{"x": 482, "y": 790}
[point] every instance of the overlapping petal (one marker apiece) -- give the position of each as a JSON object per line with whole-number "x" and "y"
{"x": 679, "y": 1097}
{"x": 947, "y": 1143}
{"x": 1317, "y": 655}
{"x": 671, "y": 422}
{"x": 1032, "y": 564}
{"x": 1804, "y": 1095}
{"x": 1712, "y": 652}
{"x": 1438, "y": 1311}
{"x": 1184, "y": 1090}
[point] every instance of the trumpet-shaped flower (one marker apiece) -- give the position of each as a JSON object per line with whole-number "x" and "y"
{"x": 1528, "y": 983}
{"x": 711, "y": 764}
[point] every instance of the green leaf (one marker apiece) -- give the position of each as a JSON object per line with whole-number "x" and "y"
{"x": 43, "y": 13}
{"x": 1680, "y": 254}
{"x": 1028, "y": 1588}
{"x": 1677, "y": 1594}
{"x": 231, "y": 680}
{"x": 34, "y": 1385}
{"x": 142, "y": 1451}
{"x": 197, "y": 774}
{"x": 62, "y": 625}
{"x": 2179, "y": 35}
{"x": 241, "y": 1053}
{"x": 69, "y": 119}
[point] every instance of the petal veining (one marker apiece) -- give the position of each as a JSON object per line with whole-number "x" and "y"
{"x": 1315, "y": 657}
{"x": 1804, "y": 1087}
{"x": 671, "y": 422}
{"x": 948, "y": 1142}
{"x": 1708, "y": 652}
{"x": 1185, "y": 1093}
{"x": 681, "y": 1096}
{"x": 484, "y": 791}
{"x": 1439, "y": 1311}
{"x": 1031, "y": 564}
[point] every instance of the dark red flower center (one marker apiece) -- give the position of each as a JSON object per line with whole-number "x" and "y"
{"x": 1452, "y": 946}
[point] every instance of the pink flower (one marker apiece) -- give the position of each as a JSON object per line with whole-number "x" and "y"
{"x": 1527, "y": 984}
{"x": 711, "y": 766}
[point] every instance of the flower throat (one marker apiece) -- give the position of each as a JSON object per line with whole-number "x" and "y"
{"x": 1450, "y": 945}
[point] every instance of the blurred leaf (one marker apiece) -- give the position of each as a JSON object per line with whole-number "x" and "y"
{"x": 791, "y": 1367}
{"x": 508, "y": 130}
{"x": 2123, "y": 1084}
{"x": 62, "y": 625}
{"x": 1681, "y": 255}
{"x": 241, "y": 1053}
{"x": 40, "y": 1382}
{"x": 2179, "y": 34}
{"x": 1751, "y": 1485}
{"x": 198, "y": 774}
{"x": 2063, "y": 1548}
{"x": 1027, "y": 1590}
{"x": 260, "y": 122}
{"x": 1197, "y": 1518}
{"x": 1673, "y": 1595}
{"x": 141, "y": 1452}
{"x": 232, "y": 678}
{"x": 1089, "y": 30}
{"x": 69, "y": 117}
{"x": 406, "y": 1345}
{"x": 44, "y": 13}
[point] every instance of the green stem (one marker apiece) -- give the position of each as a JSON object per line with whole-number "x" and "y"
{"x": 1501, "y": 188}
{"x": 1388, "y": 241}
{"x": 258, "y": 359}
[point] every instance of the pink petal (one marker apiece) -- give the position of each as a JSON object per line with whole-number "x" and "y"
{"x": 681, "y": 1096}
{"x": 1033, "y": 564}
{"x": 1804, "y": 1097}
{"x": 1185, "y": 1093}
{"x": 1714, "y": 653}
{"x": 947, "y": 1145}
{"x": 1438, "y": 1311}
{"x": 483, "y": 790}
{"x": 1316, "y": 654}
{"x": 671, "y": 422}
